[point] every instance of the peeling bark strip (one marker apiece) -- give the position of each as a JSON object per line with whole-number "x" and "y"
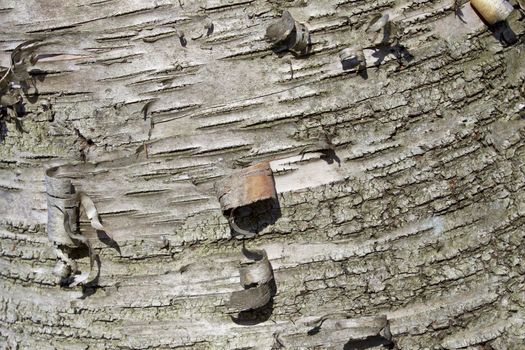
{"x": 380, "y": 30}
{"x": 347, "y": 333}
{"x": 255, "y": 278}
{"x": 361, "y": 328}
{"x": 14, "y": 79}
{"x": 63, "y": 204}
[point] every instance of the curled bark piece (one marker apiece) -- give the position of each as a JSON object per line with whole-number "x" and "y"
{"x": 4, "y": 80}
{"x": 63, "y": 204}
{"x": 301, "y": 39}
{"x": 352, "y": 59}
{"x": 21, "y": 57}
{"x": 10, "y": 98}
{"x": 362, "y": 327}
{"x": 54, "y": 57}
{"x": 61, "y": 201}
{"x": 250, "y": 299}
{"x": 279, "y": 31}
{"x": 146, "y": 108}
{"x": 15, "y": 78}
{"x": 380, "y": 30}
{"x": 259, "y": 272}
{"x": 80, "y": 279}
{"x": 522, "y": 4}
{"x": 24, "y": 51}
{"x": 182, "y": 38}
{"x": 366, "y": 326}
{"x": 377, "y": 23}
{"x": 245, "y": 188}
{"x": 66, "y": 266}
{"x": 287, "y": 32}
{"x": 91, "y": 211}
{"x": 493, "y": 11}
{"x": 62, "y": 269}
{"x": 256, "y": 278}
{"x": 208, "y": 25}
{"x": 349, "y": 330}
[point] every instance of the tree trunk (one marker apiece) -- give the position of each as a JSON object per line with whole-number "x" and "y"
{"x": 415, "y": 218}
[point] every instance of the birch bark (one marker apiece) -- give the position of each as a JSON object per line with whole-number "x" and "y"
{"x": 421, "y": 220}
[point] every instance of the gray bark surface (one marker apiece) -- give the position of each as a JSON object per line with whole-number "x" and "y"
{"x": 421, "y": 221}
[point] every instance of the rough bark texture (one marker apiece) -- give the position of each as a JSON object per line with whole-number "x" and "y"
{"x": 422, "y": 220}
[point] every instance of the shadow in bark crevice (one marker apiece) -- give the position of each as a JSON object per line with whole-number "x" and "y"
{"x": 459, "y": 14}
{"x": 3, "y": 130}
{"x": 329, "y": 155}
{"x": 36, "y": 74}
{"x": 399, "y": 51}
{"x": 370, "y": 342}
{"x": 504, "y": 33}
{"x": 89, "y": 288}
{"x": 255, "y": 217}
{"x": 92, "y": 286}
{"x": 104, "y": 238}
{"x": 5, "y": 118}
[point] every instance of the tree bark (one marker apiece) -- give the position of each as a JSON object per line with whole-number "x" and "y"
{"x": 414, "y": 225}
